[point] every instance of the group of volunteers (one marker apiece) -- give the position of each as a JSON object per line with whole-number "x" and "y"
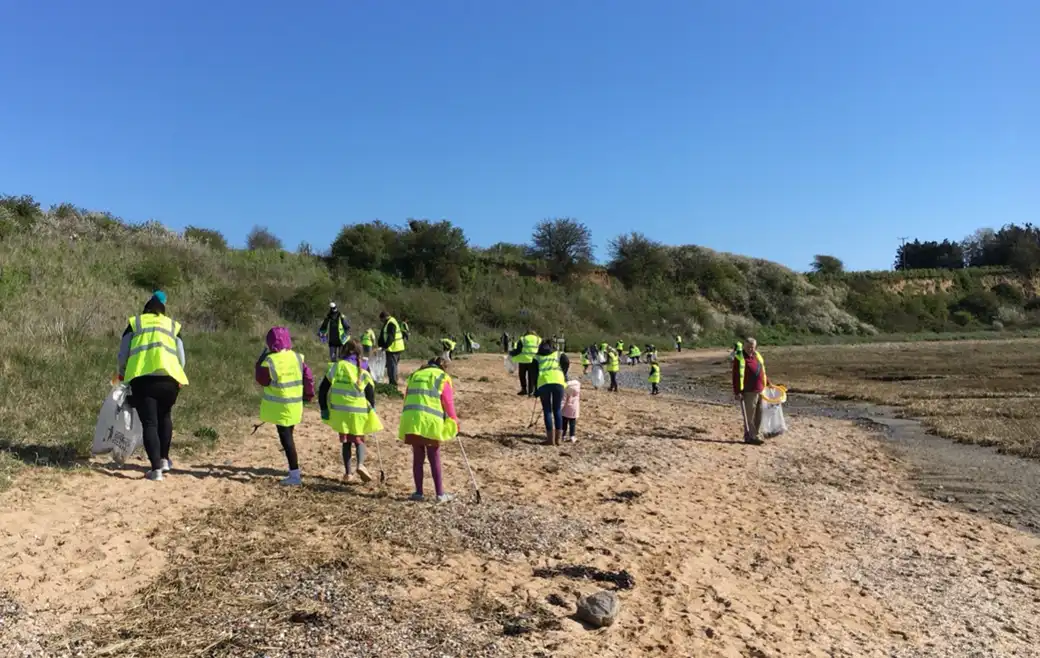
{"x": 151, "y": 362}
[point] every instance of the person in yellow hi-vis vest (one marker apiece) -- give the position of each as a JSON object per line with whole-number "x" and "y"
{"x": 523, "y": 354}
{"x": 613, "y": 366}
{"x": 151, "y": 360}
{"x": 655, "y": 376}
{"x": 429, "y": 420}
{"x": 368, "y": 341}
{"x": 347, "y": 398}
{"x": 288, "y": 383}
{"x": 391, "y": 339}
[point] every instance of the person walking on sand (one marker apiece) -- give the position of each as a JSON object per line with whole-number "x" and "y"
{"x": 288, "y": 383}
{"x": 523, "y": 355}
{"x": 429, "y": 420}
{"x": 749, "y": 380}
{"x": 336, "y": 329}
{"x": 368, "y": 341}
{"x": 678, "y": 343}
{"x": 585, "y": 361}
{"x": 391, "y": 339}
{"x": 655, "y": 376}
{"x": 571, "y": 408}
{"x": 347, "y": 398}
{"x": 552, "y": 378}
{"x": 613, "y": 366}
{"x": 151, "y": 360}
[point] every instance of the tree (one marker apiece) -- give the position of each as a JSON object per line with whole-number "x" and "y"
{"x": 260, "y": 238}
{"x": 636, "y": 260}
{"x": 827, "y": 265}
{"x": 206, "y": 236}
{"x": 919, "y": 255}
{"x": 432, "y": 252}
{"x": 365, "y": 247}
{"x": 565, "y": 244}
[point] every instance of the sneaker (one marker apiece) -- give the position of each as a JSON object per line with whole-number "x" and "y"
{"x": 348, "y": 478}
{"x": 574, "y": 439}
{"x": 416, "y": 497}
{"x": 166, "y": 465}
{"x": 365, "y": 475}
{"x": 154, "y": 476}
{"x": 294, "y": 479}
{"x": 445, "y": 498}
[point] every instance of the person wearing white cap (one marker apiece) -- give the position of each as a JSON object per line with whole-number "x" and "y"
{"x": 337, "y": 329}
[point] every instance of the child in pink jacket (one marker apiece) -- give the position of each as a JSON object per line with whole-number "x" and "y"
{"x": 571, "y": 407}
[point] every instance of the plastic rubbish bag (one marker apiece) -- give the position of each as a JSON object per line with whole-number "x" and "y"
{"x": 598, "y": 378}
{"x": 773, "y": 424}
{"x": 118, "y": 430}
{"x": 510, "y": 366}
{"x": 377, "y": 366}
{"x": 475, "y": 345}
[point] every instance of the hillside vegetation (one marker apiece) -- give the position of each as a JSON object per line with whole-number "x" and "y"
{"x": 69, "y": 279}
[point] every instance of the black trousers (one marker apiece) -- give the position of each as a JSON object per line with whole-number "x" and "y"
{"x": 392, "y": 359}
{"x": 285, "y": 437}
{"x": 528, "y": 377}
{"x": 613, "y": 382}
{"x": 153, "y": 396}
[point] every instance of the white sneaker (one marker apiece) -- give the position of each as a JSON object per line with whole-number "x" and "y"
{"x": 166, "y": 465}
{"x": 154, "y": 476}
{"x": 445, "y": 498}
{"x": 294, "y": 479}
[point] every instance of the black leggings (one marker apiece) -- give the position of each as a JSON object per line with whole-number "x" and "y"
{"x": 613, "y": 382}
{"x": 153, "y": 396}
{"x": 285, "y": 435}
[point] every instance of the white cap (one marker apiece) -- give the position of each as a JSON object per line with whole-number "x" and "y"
{"x": 332, "y": 304}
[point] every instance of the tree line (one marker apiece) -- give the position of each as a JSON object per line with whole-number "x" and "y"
{"x": 1015, "y": 247}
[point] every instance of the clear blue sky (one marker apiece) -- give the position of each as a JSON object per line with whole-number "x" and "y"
{"x": 774, "y": 129}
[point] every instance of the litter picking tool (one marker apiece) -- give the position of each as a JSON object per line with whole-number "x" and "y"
{"x": 534, "y": 409}
{"x": 379, "y": 457}
{"x": 256, "y": 427}
{"x": 743, "y": 414}
{"x": 472, "y": 479}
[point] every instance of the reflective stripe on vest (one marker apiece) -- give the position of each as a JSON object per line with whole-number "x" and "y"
{"x": 549, "y": 371}
{"x": 741, "y": 364}
{"x": 423, "y": 414}
{"x": 613, "y": 362}
{"x": 282, "y": 401}
{"x": 655, "y": 374}
{"x": 398, "y": 344}
{"x": 153, "y": 348}
{"x": 530, "y": 344}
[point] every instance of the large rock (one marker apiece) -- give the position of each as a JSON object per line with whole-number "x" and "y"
{"x": 600, "y": 610}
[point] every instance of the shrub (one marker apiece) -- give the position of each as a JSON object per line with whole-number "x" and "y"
{"x": 232, "y": 307}
{"x": 308, "y": 301}
{"x": 206, "y": 236}
{"x": 1008, "y": 293}
{"x": 260, "y": 239}
{"x": 388, "y": 390}
{"x": 156, "y": 272}
{"x": 963, "y": 318}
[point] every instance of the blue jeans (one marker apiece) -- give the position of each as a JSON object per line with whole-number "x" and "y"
{"x": 552, "y": 401}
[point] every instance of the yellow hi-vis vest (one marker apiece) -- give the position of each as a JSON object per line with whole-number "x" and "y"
{"x": 635, "y": 351}
{"x": 740, "y": 361}
{"x": 153, "y": 348}
{"x": 530, "y": 344}
{"x": 549, "y": 370}
{"x": 398, "y": 344}
{"x": 620, "y": 347}
{"x": 368, "y": 338}
{"x": 423, "y": 414}
{"x": 655, "y": 374}
{"x": 613, "y": 362}
{"x": 282, "y": 402}
{"x": 448, "y": 344}
{"x": 585, "y": 359}
{"x": 349, "y": 411}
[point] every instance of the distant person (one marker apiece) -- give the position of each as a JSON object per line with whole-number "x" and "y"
{"x": 655, "y": 376}
{"x": 404, "y": 329}
{"x": 288, "y": 383}
{"x": 336, "y": 329}
{"x": 429, "y": 420}
{"x": 391, "y": 339}
{"x": 749, "y": 380}
{"x": 151, "y": 361}
{"x": 634, "y": 354}
{"x": 368, "y": 341}
{"x": 347, "y": 399}
{"x": 586, "y": 360}
{"x": 678, "y": 343}
{"x": 613, "y": 366}
{"x": 448, "y": 346}
{"x": 571, "y": 408}
{"x": 505, "y": 343}
{"x": 737, "y": 348}
{"x": 523, "y": 355}
{"x": 552, "y": 378}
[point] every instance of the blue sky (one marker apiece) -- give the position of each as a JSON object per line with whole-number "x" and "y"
{"x": 774, "y": 129}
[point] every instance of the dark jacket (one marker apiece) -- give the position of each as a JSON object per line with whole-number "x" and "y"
{"x": 328, "y": 326}
{"x": 387, "y": 335}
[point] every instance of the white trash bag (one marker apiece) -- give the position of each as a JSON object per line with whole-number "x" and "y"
{"x": 377, "y": 366}
{"x": 773, "y": 423}
{"x": 475, "y": 345}
{"x": 598, "y": 378}
{"x": 510, "y": 366}
{"x": 118, "y": 430}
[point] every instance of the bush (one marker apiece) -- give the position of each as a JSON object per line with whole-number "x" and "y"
{"x": 1008, "y": 293}
{"x": 206, "y": 236}
{"x": 156, "y": 272}
{"x": 260, "y": 239}
{"x": 232, "y": 307}
{"x": 308, "y": 302}
{"x": 388, "y": 390}
{"x": 963, "y": 318}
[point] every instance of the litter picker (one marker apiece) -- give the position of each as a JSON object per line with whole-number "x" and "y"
{"x": 534, "y": 409}
{"x": 743, "y": 414}
{"x": 379, "y": 457}
{"x": 472, "y": 479}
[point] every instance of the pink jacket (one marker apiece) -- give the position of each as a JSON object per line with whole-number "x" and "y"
{"x": 278, "y": 339}
{"x": 572, "y": 399}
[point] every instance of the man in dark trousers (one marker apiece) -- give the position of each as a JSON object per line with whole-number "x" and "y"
{"x": 505, "y": 342}
{"x": 391, "y": 339}
{"x": 524, "y": 356}
{"x": 337, "y": 328}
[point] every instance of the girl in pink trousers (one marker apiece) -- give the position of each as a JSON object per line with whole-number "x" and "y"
{"x": 571, "y": 407}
